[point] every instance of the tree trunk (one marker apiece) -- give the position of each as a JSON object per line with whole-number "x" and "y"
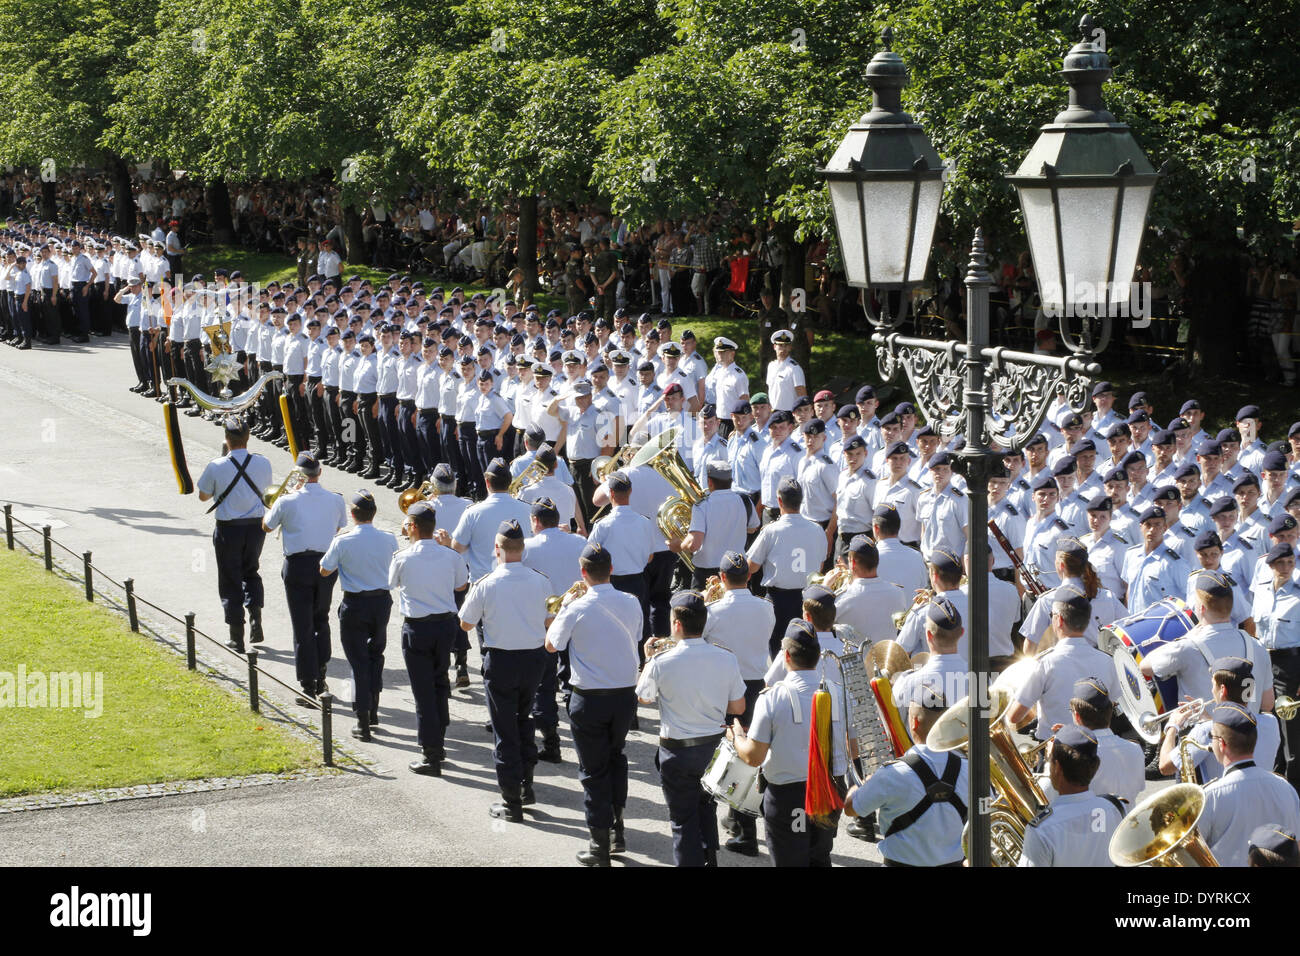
{"x": 793, "y": 271}
{"x": 1216, "y": 306}
{"x": 356, "y": 240}
{"x": 49, "y": 201}
{"x": 528, "y": 242}
{"x": 217, "y": 198}
{"x": 123, "y": 196}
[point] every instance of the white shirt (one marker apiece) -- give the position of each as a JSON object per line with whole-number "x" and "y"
{"x": 1076, "y": 832}
{"x": 426, "y": 576}
{"x": 1238, "y": 802}
{"x": 1050, "y": 684}
{"x": 1188, "y": 660}
{"x": 741, "y": 622}
{"x": 788, "y": 549}
{"x": 783, "y": 377}
{"x": 868, "y": 605}
{"x": 893, "y": 790}
{"x": 601, "y": 630}
{"x": 511, "y": 604}
{"x": 309, "y": 518}
{"x": 903, "y": 566}
{"x": 693, "y": 683}
{"x": 477, "y": 529}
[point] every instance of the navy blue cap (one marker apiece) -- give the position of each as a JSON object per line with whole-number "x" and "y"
{"x": 510, "y": 529}
{"x": 1038, "y": 439}
{"x": 848, "y": 411}
{"x": 1166, "y": 493}
{"x": 422, "y": 512}
{"x": 1044, "y": 480}
{"x": 1134, "y": 457}
{"x": 1245, "y": 480}
{"x": 619, "y": 481}
{"x": 865, "y": 393}
{"x": 820, "y": 595}
{"x": 1071, "y": 597}
{"x": 1274, "y": 461}
{"x": 1248, "y": 411}
{"x": 1118, "y": 430}
{"x": 1101, "y": 388}
{"x": 1151, "y": 513}
{"x": 1278, "y": 552}
{"x": 814, "y": 426}
{"x": 1083, "y": 445}
{"x": 1234, "y": 716}
{"x": 496, "y": 469}
{"x": 595, "y": 554}
{"x": 1188, "y": 470}
{"x": 886, "y": 515}
{"x": 1091, "y": 691}
{"x": 942, "y": 613}
{"x": 733, "y": 562}
{"x": 1163, "y": 437}
{"x": 1207, "y": 539}
{"x": 443, "y": 475}
{"x": 781, "y": 417}
{"x": 1223, "y": 505}
{"x": 688, "y": 599}
{"x": 1281, "y": 522}
{"x": 898, "y": 448}
{"x": 1239, "y": 667}
{"x": 854, "y": 443}
{"x": 1078, "y": 739}
{"x": 789, "y": 488}
{"x": 1066, "y": 465}
{"x": 803, "y": 634}
{"x": 1137, "y": 417}
{"x": 544, "y": 508}
{"x": 1214, "y": 583}
{"x": 941, "y": 559}
{"x": 362, "y": 500}
{"x": 1101, "y": 503}
{"x": 863, "y": 546}
{"x": 1274, "y": 838}
{"x": 1072, "y": 546}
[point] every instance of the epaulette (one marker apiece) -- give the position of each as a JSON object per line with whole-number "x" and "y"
{"x": 1011, "y": 509}
{"x": 957, "y": 491}
{"x": 1058, "y": 523}
{"x": 797, "y": 447}
{"x": 824, "y": 457}
{"x": 1119, "y": 537}
{"x": 1040, "y": 816}
{"x": 868, "y": 473}
{"x": 723, "y": 440}
{"x": 912, "y": 481}
{"x": 1172, "y": 553}
{"x": 753, "y": 436}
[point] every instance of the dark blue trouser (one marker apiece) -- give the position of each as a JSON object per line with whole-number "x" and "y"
{"x": 486, "y": 446}
{"x": 451, "y": 446}
{"x": 363, "y": 632}
{"x": 546, "y": 713}
{"x": 510, "y": 679}
{"x": 409, "y": 440}
{"x": 426, "y": 648}
{"x": 388, "y": 432}
{"x": 788, "y": 605}
{"x": 691, "y": 810}
{"x": 428, "y": 430}
{"x": 308, "y": 595}
{"x": 472, "y": 470}
{"x": 239, "y": 550}
{"x": 600, "y": 724}
{"x": 637, "y": 586}
{"x": 81, "y": 307}
{"x": 791, "y": 836}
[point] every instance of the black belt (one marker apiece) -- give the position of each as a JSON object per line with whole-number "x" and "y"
{"x": 406, "y": 402}
{"x": 428, "y": 411}
{"x": 378, "y": 592}
{"x": 314, "y": 379}
{"x": 772, "y": 587}
{"x": 442, "y": 616}
{"x": 601, "y": 691}
{"x": 239, "y": 522}
{"x": 681, "y": 743}
{"x": 488, "y": 432}
{"x": 889, "y": 862}
{"x": 1283, "y": 651}
{"x": 387, "y": 394}
{"x": 306, "y": 554}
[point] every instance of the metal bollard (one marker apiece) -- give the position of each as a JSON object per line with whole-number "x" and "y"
{"x": 189, "y": 641}
{"x": 129, "y": 584}
{"x": 49, "y": 554}
{"x": 86, "y": 572}
{"x": 252, "y": 681}
{"x": 327, "y": 727}
{"x": 9, "y": 526}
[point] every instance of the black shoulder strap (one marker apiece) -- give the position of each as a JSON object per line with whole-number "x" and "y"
{"x": 240, "y": 472}
{"x": 1119, "y": 804}
{"x": 936, "y": 790}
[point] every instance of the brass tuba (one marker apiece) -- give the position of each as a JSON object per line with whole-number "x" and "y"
{"x": 426, "y": 492}
{"x": 674, "y": 517}
{"x": 1161, "y": 831}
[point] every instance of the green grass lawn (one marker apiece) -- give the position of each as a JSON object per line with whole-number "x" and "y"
{"x": 852, "y": 357}
{"x": 158, "y": 721}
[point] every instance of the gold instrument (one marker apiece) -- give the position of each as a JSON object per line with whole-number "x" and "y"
{"x": 888, "y": 659}
{"x": 1161, "y": 831}
{"x": 713, "y": 589}
{"x": 534, "y": 473}
{"x": 674, "y": 516}
{"x": 426, "y": 492}
{"x": 661, "y": 644}
{"x": 1186, "y": 768}
{"x": 1019, "y": 797}
{"x": 292, "y": 482}
{"x": 1197, "y": 708}
{"x": 923, "y": 597}
{"x": 605, "y": 465}
{"x": 1284, "y": 708}
{"x": 557, "y": 601}
{"x": 835, "y": 580}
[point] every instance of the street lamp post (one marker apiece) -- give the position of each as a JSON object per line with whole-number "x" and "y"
{"x": 1085, "y": 188}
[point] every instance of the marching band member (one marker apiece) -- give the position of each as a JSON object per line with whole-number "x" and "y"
{"x": 945, "y": 580}
{"x": 1215, "y": 636}
{"x": 600, "y": 633}
{"x": 510, "y": 603}
{"x": 561, "y": 495}
{"x": 426, "y": 576}
{"x": 631, "y": 539}
{"x": 869, "y": 602}
{"x": 1277, "y": 620}
{"x": 1122, "y": 764}
{"x": 696, "y": 685}
{"x": 1106, "y": 548}
{"x": 740, "y": 621}
{"x": 236, "y": 480}
{"x": 777, "y": 740}
{"x": 1075, "y": 573}
{"x": 720, "y": 523}
{"x": 1051, "y": 682}
{"x": 899, "y": 564}
{"x": 920, "y": 799}
{"x": 786, "y": 551}
{"x": 309, "y": 518}
{"x": 1270, "y": 845}
{"x": 1152, "y": 569}
{"x": 1075, "y": 829}
{"x": 1042, "y": 529}
{"x": 897, "y": 489}
{"x": 1247, "y": 795}
{"x": 362, "y": 557}
{"x": 1004, "y": 612}
{"x": 1232, "y": 680}
{"x": 946, "y": 672}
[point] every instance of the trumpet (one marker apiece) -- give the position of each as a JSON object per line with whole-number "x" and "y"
{"x": 557, "y": 601}
{"x": 923, "y": 596}
{"x": 1284, "y": 708}
{"x": 605, "y": 465}
{"x": 1196, "y": 707}
{"x": 713, "y": 589}
{"x": 534, "y": 473}
{"x": 836, "y": 580}
{"x": 426, "y": 492}
{"x": 661, "y": 644}
{"x": 292, "y": 482}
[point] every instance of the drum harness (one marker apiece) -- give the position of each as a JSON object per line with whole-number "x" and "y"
{"x": 937, "y": 790}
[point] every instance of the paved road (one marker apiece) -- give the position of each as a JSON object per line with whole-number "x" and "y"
{"x": 88, "y": 457}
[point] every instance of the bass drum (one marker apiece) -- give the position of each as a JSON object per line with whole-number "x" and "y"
{"x": 1128, "y": 641}
{"x": 733, "y": 782}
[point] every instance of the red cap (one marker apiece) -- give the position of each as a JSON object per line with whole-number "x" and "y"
{"x": 825, "y": 395}
{"x": 673, "y": 389}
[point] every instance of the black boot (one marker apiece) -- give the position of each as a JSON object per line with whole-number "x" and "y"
{"x": 550, "y": 752}
{"x": 236, "y": 642}
{"x": 362, "y": 730}
{"x": 255, "y": 627}
{"x": 430, "y": 766}
{"x": 507, "y": 809}
{"x": 598, "y": 850}
{"x": 618, "y": 835}
{"x": 371, "y": 473}
{"x": 462, "y": 669}
{"x": 526, "y": 795}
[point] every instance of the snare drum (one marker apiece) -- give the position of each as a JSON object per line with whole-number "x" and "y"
{"x": 732, "y": 781}
{"x": 1128, "y": 641}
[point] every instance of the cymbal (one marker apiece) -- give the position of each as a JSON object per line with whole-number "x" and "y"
{"x": 888, "y": 657}
{"x": 919, "y": 659}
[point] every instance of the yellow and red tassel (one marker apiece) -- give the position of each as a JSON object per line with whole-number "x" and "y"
{"x": 821, "y": 798}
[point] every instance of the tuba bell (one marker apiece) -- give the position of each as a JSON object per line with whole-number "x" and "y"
{"x": 1161, "y": 831}
{"x": 426, "y": 492}
{"x": 674, "y": 516}
{"x": 534, "y": 473}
